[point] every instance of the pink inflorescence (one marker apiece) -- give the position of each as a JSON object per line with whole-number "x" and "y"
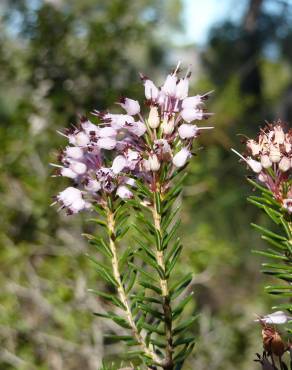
{"x": 107, "y": 158}
{"x": 270, "y": 158}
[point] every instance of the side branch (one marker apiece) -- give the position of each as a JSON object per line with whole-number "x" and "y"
{"x": 121, "y": 290}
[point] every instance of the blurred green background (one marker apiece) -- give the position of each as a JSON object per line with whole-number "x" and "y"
{"x": 61, "y": 58}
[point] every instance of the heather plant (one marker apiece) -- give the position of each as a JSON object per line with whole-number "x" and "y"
{"x": 269, "y": 157}
{"x": 136, "y": 163}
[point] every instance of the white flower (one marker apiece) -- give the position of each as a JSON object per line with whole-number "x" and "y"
{"x": 169, "y": 86}
{"x": 181, "y": 157}
{"x": 107, "y": 132}
{"x": 124, "y": 193}
{"x": 119, "y": 163}
{"x": 79, "y": 139}
{"x": 192, "y": 102}
{"x": 279, "y": 135}
{"x": 182, "y": 88}
{"x": 284, "y": 164}
{"x": 67, "y": 172}
{"x": 78, "y": 167}
{"x": 190, "y": 114}
{"x": 89, "y": 127}
{"x": 275, "y": 154}
{"x": 129, "y": 181}
{"x": 78, "y": 205}
{"x": 254, "y": 165}
{"x": 278, "y": 317}
{"x": 69, "y": 196}
{"x": 118, "y": 121}
{"x": 187, "y": 131}
{"x": 265, "y": 161}
{"x": 106, "y": 143}
{"x": 153, "y": 161}
{"x": 253, "y": 146}
{"x": 287, "y": 203}
{"x": 151, "y": 91}
{"x": 92, "y": 186}
{"x": 138, "y": 128}
{"x": 153, "y": 119}
{"x": 163, "y": 145}
{"x": 74, "y": 152}
{"x": 131, "y": 106}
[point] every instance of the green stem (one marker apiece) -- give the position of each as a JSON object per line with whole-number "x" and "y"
{"x": 121, "y": 290}
{"x": 168, "y": 365}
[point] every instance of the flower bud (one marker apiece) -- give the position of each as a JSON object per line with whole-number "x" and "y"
{"x": 181, "y": 157}
{"x": 187, "y": 131}
{"x": 69, "y": 195}
{"x": 275, "y": 154}
{"x": 190, "y": 114}
{"x": 168, "y": 126}
{"x": 284, "y": 164}
{"x": 254, "y": 165}
{"x": 131, "y": 106}
{"x": 153, "y": 119}
{"x": 278, "y": 317}
{"x": 154, "y": 164}
{"x": 265, "y": 161}
{"x": 137, "y": 128}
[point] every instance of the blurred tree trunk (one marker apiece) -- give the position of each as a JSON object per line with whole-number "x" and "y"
{"x": 251, "y": 80}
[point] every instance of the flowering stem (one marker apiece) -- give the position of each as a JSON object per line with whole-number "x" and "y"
{"x": 167, "y": 311}
{"x": 121, "y": 290}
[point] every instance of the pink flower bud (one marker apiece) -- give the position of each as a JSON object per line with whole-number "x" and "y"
{"x": 131, "y": 106}
{"x": 153, "y": 119}
{"x": 284, "y": 164}
{"x": 181, "y": 157}
{"x": 119, "y": 163}
{"x": 106, "y": 143}
{"x": 187, "y": 131}
{"x": 169, "y": 86}
{"x": 265, "y": 161}
{"x": 254, "y": 165}
{"x": 154, "y": 164}
{"x": 124, "y": 193}
{"x": 190, "y": 114}
{"x": 182, "y": 88}
{"x": 151, "y": 91}
{"x": 74, "y": 152}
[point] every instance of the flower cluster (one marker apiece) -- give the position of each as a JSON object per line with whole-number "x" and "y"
{"x": 107, "y": 157}
{"x": 269, "y": 156}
